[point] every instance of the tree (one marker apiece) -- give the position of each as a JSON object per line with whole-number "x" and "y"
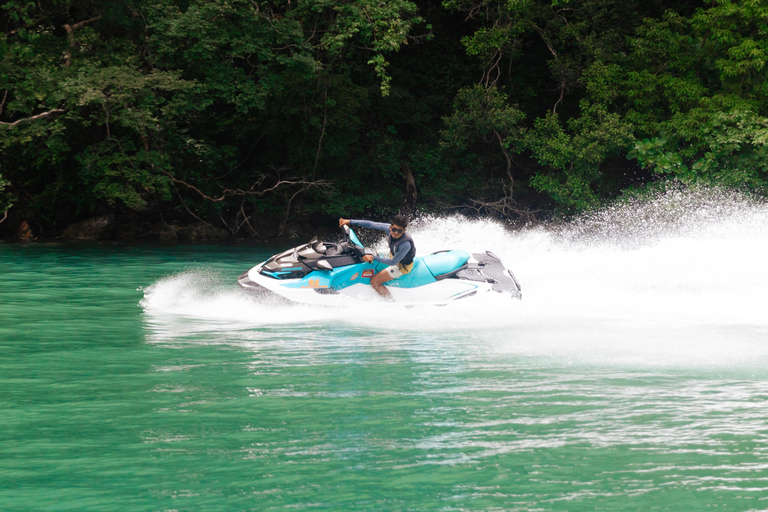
{"x": 483, "y": 113}
{"x": 697, "y": 89}
{"x": 214, "y": 109}
{"x": 553, "y": 59}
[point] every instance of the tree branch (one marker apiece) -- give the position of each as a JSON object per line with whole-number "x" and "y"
{"x": 32, "y": 118}
{"x": 505, "y": 207}
{"x": 71, "y": 36}
{"x": 562, "y": 94}
{"x": 323, "y": 184}
{"x": 495, "y": 66}
{"x": 281, "y": 228}
{"x": 322, "y": 133}
{"x": 245, "y": 219}
{"x": 80, "y": 24}
{"x": 507, "y": 156}
{"x": 546, "y": 40}
{"x": 190, "y": 211}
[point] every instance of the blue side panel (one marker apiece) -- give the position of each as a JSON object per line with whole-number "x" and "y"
{"x": 424, "y": 271}
{"x": 337, "y": 278}
{"x": 347, "y": 276}
{"x": 419, "y": 276}
{"x": 444, "y": 262}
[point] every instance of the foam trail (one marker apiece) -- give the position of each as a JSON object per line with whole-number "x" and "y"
{"x": 680, "y": 277}
{"x": 208, "y": 300}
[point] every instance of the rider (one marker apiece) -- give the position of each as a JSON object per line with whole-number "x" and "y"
{"x": 402, "y": 249}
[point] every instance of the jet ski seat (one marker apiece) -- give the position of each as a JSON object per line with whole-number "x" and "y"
{"x": 445, "y": 263}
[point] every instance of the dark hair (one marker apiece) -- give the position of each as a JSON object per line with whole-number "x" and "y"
{"x": 399, "y": 220}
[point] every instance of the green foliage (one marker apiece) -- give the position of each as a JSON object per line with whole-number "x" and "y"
{"x": 207, "y": 98}
{"x": 483, "y": 117}
{"x": 247, "y": 113}
{"x": 119, "y": 172}
{"x": 503, "y": 23}
{"x": 573, "y": 133}
{"x": 5, "y": 198}
{"x": 734, "y": 154}
{"x": 380, "y": 27}
{"x": 653, "y": 153}
{"x": 241, "y": 54}
{"x": 699, "y": 94}
{"x": 482, "y": 112}
{"x": 572, "y": 158}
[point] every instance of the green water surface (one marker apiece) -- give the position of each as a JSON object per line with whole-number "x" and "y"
{"x": 106, "y": 406}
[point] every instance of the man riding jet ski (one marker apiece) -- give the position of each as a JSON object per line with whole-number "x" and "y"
{"x": 336, "y": 273}
{"x": 402, "y": 250}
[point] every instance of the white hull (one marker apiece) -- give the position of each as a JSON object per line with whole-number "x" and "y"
{"x": 440, "y": 292}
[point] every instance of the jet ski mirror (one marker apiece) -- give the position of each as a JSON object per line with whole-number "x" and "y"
{"x": 324, "y": 265}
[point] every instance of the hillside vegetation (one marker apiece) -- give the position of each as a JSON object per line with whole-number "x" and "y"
{"x": 251, "y": 115}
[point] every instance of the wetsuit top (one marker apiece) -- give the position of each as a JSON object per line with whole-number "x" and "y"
{"x": 404, "y": 250}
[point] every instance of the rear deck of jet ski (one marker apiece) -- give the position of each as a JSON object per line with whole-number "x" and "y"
{"x": 489, "y": 269}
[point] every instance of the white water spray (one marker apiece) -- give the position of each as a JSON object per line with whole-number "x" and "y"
{"x": 678, "y": 278}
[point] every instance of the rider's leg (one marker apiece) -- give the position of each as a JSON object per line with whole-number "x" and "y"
{"x": 378, "y": 281}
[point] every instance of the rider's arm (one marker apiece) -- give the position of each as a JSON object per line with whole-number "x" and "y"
{"x": 402, "y": 250}
{"x": 381, "y": 226}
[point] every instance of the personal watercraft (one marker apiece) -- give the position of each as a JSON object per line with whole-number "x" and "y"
{"x": 335, "y": 273}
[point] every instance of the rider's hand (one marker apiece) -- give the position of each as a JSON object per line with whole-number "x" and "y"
{"x": 367, "y": 258}
{"x": 343, "y": 222}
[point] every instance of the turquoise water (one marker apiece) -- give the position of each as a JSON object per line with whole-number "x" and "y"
{"x": 141, "y": 379}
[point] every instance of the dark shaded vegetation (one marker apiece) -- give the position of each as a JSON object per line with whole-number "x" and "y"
{"x": 251, "y": 116}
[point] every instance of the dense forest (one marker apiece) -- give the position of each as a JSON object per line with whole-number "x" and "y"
{"x": 252, "y": 116}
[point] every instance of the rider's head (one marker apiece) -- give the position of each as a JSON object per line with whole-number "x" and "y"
{"x": 397, "y": 225}
{"x": 400, "y": 221}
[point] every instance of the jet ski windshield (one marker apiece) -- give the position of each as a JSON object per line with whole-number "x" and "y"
{"x": 353, "y": 238}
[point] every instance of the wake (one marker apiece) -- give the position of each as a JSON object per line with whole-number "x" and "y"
{"x": 677, "y": 275}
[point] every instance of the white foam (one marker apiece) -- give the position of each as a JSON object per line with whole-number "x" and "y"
{"x": 680, "y": 276}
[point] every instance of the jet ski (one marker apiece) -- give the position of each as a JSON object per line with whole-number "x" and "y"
{"x": 334, "y": 273}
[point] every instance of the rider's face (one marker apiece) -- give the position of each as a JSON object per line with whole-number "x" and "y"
{"x": 397, "y": 231}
